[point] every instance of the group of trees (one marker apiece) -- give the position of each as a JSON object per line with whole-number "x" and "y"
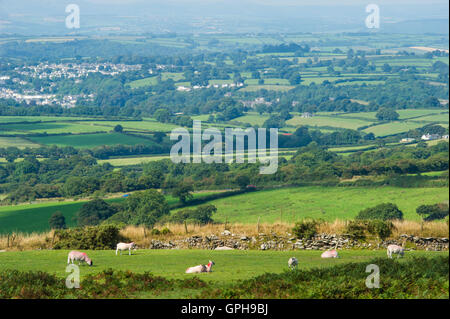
{"x": 80, "y": 175}
{"x": 140, "y": 208}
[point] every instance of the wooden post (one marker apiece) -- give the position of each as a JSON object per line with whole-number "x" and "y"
{"x": 53, "y": 238}
{"x": 257, "y": 225}
{"x": 145, "y": 232}
{"x": 185, "y": 227}
{"x": 7, "y": 242}
{"x": 226, "y": 222}
{"x": 281, "y": 215}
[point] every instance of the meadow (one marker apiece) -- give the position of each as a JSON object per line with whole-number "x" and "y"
{"x": 236, "y": 274}
{"x": 173, "y": 263}
{"x": 327, "y": 203}
{"x": 91, "y": 140}
{"x": 33, "y": 217}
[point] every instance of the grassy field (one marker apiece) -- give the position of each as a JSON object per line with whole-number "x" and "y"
{"x": 329, "y": 121}
{"x": 16, "y": 142}
{"x": 289, "y": 204}
{"x": 328, "y": 203}
{"x": 29, "y": 218}
{"x": 53, "y": 128}
{"x": 392, "y": 128}
{"x": 173, "y": 263}
{"x": 91, "y": 140}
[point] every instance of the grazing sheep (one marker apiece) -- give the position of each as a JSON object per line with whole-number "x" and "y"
{"x": 395, "y": 249}
{"x": 330, "y": 254}
{"x": 124, "y": 246}
{"x": 293, "y": 262}
{"x": 200, "y": 268}
{"x": 76, "y": 255}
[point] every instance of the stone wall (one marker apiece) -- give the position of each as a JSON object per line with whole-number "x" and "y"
{"x": 226, "y": 240}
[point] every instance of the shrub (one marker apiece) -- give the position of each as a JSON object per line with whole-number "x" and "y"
{"x": 385, "y": 211}
{"x": 381, "y": 228}
{"x": 57, "y": 221}
{"x": 306, "y": 229}
{"x": 433, "y": 212}
{"x": 91, "y": 237}
{"x": 356, "y": 230}
{"x": 155, "y": 231}
{"x": 94, "y": 212}
{"x": 200, "y": 215}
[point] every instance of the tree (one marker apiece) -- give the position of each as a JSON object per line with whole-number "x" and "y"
{"x": 118, "y": 128}
{"x": 432, "y": 212}
{"x": 162, "y": 115}
{"x": 143, "y": 208}
{"x": 385, "y": 211}
{"x": 242, "y": 181}
{"x": 184, "y": 192}
{"x": 94, "y": 212}
{"x": 295, "y": 79}
{"x": 385, "y": 114}
{"x": 57, "y": 221}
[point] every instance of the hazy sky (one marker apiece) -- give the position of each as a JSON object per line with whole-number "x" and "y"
{"x": 230, "y": 15}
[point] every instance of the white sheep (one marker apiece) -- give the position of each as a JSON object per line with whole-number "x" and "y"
{"x": 200, "y": 268}
{"x": 395, "y": 249}
{"x": 76, "y": 255}
{"x": 293, "y": 262}
{"x": 124, "y": 246}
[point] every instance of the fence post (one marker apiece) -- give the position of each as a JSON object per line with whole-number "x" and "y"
{"x": 7, "y": 242}
{"x": 257, "y": 225}
{"x": 185, "y": 227}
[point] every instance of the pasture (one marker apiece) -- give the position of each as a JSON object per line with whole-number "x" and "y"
{"x": 248, "y": 274}
{"x": 172, "y": 263}
{"x": 327, "y": 203}
{"x": 90, "y": 140}
{"x": 28, "y": 218}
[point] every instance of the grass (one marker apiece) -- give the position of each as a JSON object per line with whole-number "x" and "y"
{"x": 16, "y": 142}
{"x": 30, "y": 218}
{"x": 327, "y": 203}
{"x": 91, "y": 140}
{"x": 392, "y": 128}
{"x": 173, "y": 263}
{"x": 52, "y": 128}
{"x": 328, "y": 121}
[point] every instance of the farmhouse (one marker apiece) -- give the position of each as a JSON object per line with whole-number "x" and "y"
{"x": 407, "y": 140}
{"x": 430, "y": 137}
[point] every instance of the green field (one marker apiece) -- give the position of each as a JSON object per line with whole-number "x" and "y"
{"x": 392, "y": 128}
{"x": 173, "y": 263}
{"x": 16, "y": 142}
{"x": 30, "y": 218}
{"x": 328, "y": 121}
{"x": 328, "y": 203}
{"x": 52, "y": 128}
{"x": 91, "y": 140}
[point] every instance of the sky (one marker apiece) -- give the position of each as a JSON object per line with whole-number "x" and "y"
{"x": 47, "y": 16}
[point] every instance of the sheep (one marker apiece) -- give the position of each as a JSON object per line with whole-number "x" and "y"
{"x": 76, "y": 255}
{"x": 124, "y": 246}
{"x": 395, "y": 249}
{"x": 330, "y": 254}
{"x": 293, "y": 262}
{"x": 200, "y": 268}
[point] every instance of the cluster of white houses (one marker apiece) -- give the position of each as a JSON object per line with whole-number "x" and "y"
{"x": 425, "y": 137}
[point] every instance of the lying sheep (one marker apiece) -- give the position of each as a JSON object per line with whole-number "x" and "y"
{"x": 200, "y": 268}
